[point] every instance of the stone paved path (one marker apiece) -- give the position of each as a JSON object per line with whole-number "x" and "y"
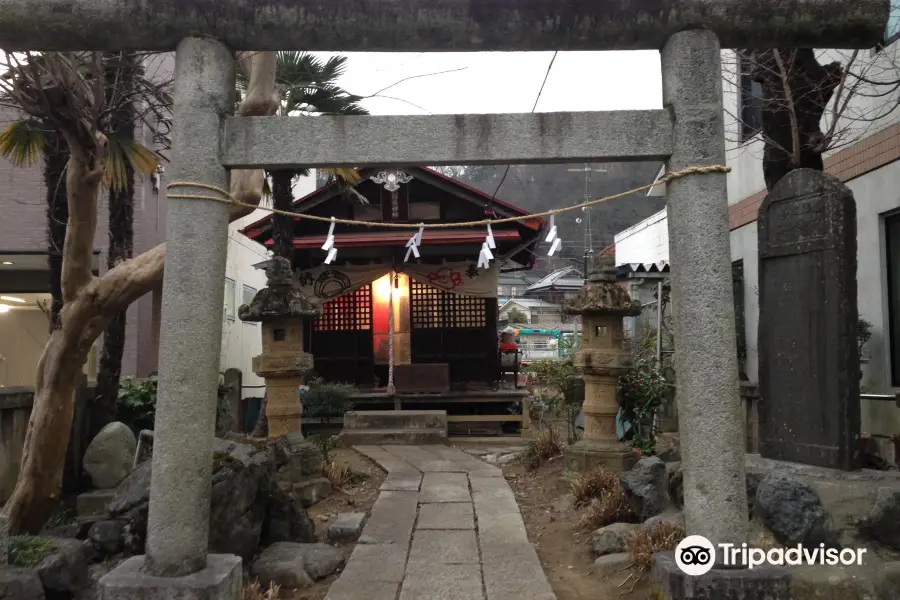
{"x": 445, "y": 526}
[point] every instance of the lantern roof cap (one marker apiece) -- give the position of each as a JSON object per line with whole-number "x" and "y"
{"x": 601, "y": 295}
{"x": 279, "y": 299}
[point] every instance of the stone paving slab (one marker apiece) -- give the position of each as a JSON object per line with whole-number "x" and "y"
{"x": 446, "y": 515}
{"x": 444, "y": 582}
{"x": 431, "y": 548}
{"x": 376, "y": 563}
{"x": 441, "y": 542}
{"x": 445, "y": 487}
{"x": 402, "y": 481}
{"x": 392, "y": 519}
{"x": 372, "y": 590}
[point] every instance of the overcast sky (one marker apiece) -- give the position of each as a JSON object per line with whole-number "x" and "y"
{"x": 493, "y": 82}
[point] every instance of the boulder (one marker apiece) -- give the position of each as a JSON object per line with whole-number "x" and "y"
{"x": 64, "y": 570}
{"x": 110, "y": 456}
{"x": 107, "y": 536}
{"x": 883, "y": 521}
{"x": 295, "y": 566}
{"x": 646, "y": 487}
{"x": 671, "y": 517}
{"x": 612, "y": 564}
{"x": 286, "y": 520}
{"x": 752, "y": 478}
{"x": 311, "y": 490}
{"x": 18, "y": 583}
{"x": 825, "y": 582}
{"x": 347, "y": 527}
{"x": 676, "y": 484}
{"x": 793, "y": 512}
{"x": 246, "y": 505}
{"x": 612, "y": 539}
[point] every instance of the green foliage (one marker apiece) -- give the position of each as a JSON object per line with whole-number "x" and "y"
{"x": 22, "y": 142}
{"x": 863, "y": 333}
{"x": 136, "y": 405}
{"x": 641, "y": 393}
{"x": 326, "y": 400}
{"x": 554, "y": 384}
{"x": 514, "y": 315}
{"x": 325, "y": 445}
{"x": 28, "y": 550}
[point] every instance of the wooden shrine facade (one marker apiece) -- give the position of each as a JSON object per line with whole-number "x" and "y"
{"x": 445, "y": 307}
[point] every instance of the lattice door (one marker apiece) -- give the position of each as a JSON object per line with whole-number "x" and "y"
{"x": 433, "y": 308}
{"x": 350, "y": 312}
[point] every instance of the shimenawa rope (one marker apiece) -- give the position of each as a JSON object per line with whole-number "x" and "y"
{"x": 225, "y": 197}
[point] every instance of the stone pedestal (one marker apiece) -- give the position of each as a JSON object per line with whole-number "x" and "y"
{"x": 602, "y": 360}
{"x": 220, "y": 580}
{"x": 282, "y": 311}
{"x": 671, "y": 583}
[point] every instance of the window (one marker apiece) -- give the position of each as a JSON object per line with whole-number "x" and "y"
{"x": 892, "y": 246}
{"x": 229, "y": 299}
{"x": 512, "y": 291}
{"x": 750, "y": 102}
{"x": 892, "y": 30}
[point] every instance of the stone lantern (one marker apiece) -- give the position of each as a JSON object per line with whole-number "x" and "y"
{"x": 602, "y": 303}
{"x": 283, "y": 363}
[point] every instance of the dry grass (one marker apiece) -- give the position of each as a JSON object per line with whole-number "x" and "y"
{"x": 545, "y": 445}
{"x": 646, "y": 541}
{"x": 764, "y": 541}
{"x": 254, "y": 591}
{"x": 594, "y": 485}
{"x": 611, "y": 507}
{"x": 342, "y": 475}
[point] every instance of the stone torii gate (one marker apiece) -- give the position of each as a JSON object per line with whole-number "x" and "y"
{"x": 689, "y": 131}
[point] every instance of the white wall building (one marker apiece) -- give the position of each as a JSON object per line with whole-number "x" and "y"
{"x": 866, "y": 159}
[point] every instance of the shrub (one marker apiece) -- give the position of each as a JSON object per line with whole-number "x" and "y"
{"x": 641, "y": 393}
{"x": 644, "y": 542}
{"x": 28, "y": 550}
{"x": 544, "y": 446}
{"x": 325, "y": 400}
{"x": 136, "y": 404}
{"x": 594, "y": 485}
{"x": 554, "y": 384}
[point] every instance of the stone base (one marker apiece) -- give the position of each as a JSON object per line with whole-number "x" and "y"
{"x": 220, "y": 580}
{"x": 670, "y": 583}
{"x": 585, "y": 456}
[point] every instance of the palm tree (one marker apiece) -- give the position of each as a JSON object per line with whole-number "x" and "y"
{"x": 25, "y": 141}
{"x": 307, "y": 86}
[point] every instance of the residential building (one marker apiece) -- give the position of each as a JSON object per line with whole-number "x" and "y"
{"x": 512, "y": 285}
{"x": 557, "y": 286}
{"x": 868, "y": 163}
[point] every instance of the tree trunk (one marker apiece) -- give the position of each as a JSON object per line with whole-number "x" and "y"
{"x": 56, "y": 156}
{"x": 796, "y": 92}
{"x": 89, "y": 304}
{"x": 121, "y": 248}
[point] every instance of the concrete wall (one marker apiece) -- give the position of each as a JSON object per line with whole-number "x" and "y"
{"x": 23, "y": 333}
{"x": 645, "y": 242}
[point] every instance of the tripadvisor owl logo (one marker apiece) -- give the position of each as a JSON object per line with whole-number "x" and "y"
{"x": 695, "y": 555}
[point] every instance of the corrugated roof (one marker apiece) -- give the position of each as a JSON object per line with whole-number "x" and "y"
{"x": 568, "y": 277}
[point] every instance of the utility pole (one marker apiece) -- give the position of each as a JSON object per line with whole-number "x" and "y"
{"x": 588, "y": 234}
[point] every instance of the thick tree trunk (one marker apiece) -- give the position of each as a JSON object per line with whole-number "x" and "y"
{"x": 121, "y": 248}
{"x": 796, "y": 92}
{"x": 56, "y": 156}
{"x": 89, "y": 303}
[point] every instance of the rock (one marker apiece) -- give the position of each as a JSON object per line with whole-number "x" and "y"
{"x": 676, "y": 485}
{"x": 4, "y": 540}
{"x": 300, "y": 462}
{"x": 825, "y": 582}
{"x": 244, "y": 498}
{"x": 883, "y": 521}
{"x": 286, "y": 520}
{"x": 506, "y": 459}
{"x": 295, "y": 566}
{"x": 20, "y": 584}
{"x": 95, "y": 573}
{"x": 91, "y": 504}
{"x": 793, "y": 512}
{"x": 564, "y": 503}
{"x": 312, "y": 490}
{"x": 612, "y": 539}
{"x": 110, "y": 456}
{"x": 670, "y": 455}
{"x": 612, "y": 564}
{"x": 646, "y": 487}
{"x": 346, "y": 528}
{"x": 107, "y": 536}
{"x": 64, "y": 571}
{"x": 672, "y": 517}
{"x": 144, "y": 447}
{"x": 753, "y": 478}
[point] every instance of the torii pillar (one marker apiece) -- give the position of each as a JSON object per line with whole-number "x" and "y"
{"x": 206, "y": 34}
